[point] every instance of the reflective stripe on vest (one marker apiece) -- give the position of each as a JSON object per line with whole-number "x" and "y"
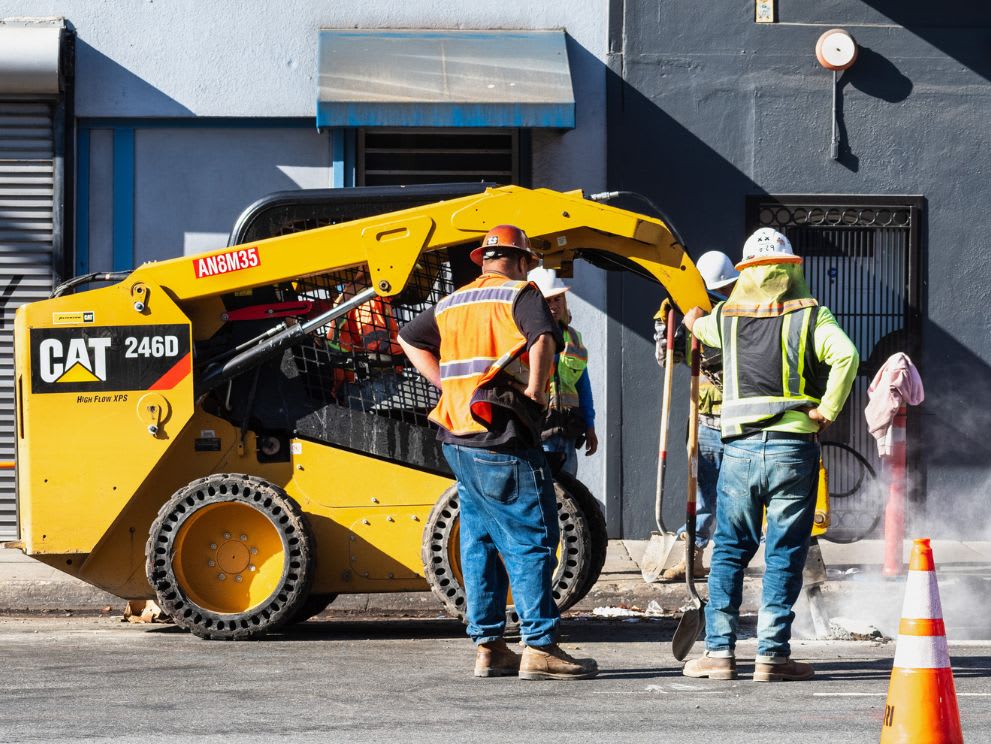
{"x": 479, "y": 339}
{"x": 756, "y": 392}
{"x": 571, "y": 364}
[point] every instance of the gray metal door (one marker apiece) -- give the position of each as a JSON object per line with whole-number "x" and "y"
{"x": 27, "y": 253}
{"x": 862, "y": 262}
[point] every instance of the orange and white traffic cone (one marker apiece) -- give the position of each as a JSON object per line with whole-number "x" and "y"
{"x": 922, "y": 700}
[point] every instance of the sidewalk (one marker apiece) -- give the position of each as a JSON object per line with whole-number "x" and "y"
{"x": 29, "y": 586}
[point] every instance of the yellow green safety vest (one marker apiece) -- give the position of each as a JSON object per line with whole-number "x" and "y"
{"x": 769, "y": 367}
{"x": 571, "y": 364}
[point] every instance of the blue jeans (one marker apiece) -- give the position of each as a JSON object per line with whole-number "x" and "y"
{"x": 710, "y": 458}
{"x": 779, "y": 475}
{"x": 565, "y": 446}
{"x": 508, "y": 511}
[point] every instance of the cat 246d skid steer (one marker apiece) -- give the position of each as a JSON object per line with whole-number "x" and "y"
{"x": 235, "y": 434}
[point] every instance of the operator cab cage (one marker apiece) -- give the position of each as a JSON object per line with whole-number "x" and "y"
{"x": 348, "y": 384}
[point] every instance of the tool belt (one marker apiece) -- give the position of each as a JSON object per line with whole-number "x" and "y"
{"x": 507, "y": 401}
{"x": 566, "y": 422}
{"x": 768, "y": 436}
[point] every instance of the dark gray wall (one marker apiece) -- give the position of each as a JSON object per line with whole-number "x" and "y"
{"x": 706, "y": 107}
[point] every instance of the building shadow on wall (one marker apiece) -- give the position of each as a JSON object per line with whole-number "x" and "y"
{"x": 875, "y": 76}
{"x": 941, "y": 25}
{"x": 120, "y": 88}
{"x": 703, "y": 194}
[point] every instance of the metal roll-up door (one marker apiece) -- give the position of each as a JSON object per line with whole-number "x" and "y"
{"x": 27, "y": 253}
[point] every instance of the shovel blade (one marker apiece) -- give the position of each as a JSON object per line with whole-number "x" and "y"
{"x": 687, "y": 632}
{"x": 657, "y": 555}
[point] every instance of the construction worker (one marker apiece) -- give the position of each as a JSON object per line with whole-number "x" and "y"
{"x": 570, "y": 421}
{"x": 489, "y": 347}
{"x": 720, "y": 275}
{"x": 787, "y": 370}
{"x": 368, "y": 336}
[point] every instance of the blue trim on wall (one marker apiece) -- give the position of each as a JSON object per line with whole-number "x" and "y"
{"x": 389, "y": 114}
{"x": 123, "y": 199}
{"x": 82, "y": 202}
{"x": 337, "y": 158}
{"x": 343, "y": 150}
{"x": 215, "y": 122}
{"x": 350, "y": 155}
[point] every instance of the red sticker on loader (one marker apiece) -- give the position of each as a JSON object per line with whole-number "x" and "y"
{"x": 225, "y": 263}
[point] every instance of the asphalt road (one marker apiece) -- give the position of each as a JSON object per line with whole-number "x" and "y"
{"x": 97, "y": 680}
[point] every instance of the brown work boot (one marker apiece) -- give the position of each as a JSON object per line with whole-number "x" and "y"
{"x": 551, "y": 662}
{"x": 495, "y": 659}
{"x": 783, "y": 671}
{"x": 677, "y": 571}
{"x": 711, "y": 667}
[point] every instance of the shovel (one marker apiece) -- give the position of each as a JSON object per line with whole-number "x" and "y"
{"x": 692, "y": 620}
{"x": 660, "y": 549}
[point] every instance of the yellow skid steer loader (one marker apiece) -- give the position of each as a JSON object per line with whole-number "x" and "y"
{"x": 235, "y": 433}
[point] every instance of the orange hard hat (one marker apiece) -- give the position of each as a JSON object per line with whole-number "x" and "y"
{"x": 504, "y": 236}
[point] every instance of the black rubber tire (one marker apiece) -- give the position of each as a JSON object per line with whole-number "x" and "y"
{"x": 313, "y": 606}
{"x": 297, "y": 576}
{"x": 597, "y": 526}
{"x": 576, "y": 571}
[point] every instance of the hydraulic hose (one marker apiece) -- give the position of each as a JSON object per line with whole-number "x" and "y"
{"x": 605, "y": 196}
{"x": 97, "y": 276}
{"x": 276, "y": 340}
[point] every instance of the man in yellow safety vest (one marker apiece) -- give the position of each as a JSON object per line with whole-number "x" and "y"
{"x": 787, "y": 370}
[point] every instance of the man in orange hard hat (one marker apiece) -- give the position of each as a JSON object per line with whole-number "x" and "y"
{"x": 489, "y": 347}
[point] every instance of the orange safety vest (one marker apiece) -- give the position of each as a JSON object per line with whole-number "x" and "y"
{"x": 479, "y": 339}
{"x": 371, "y": 328}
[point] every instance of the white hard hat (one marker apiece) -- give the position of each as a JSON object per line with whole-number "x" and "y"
{"x": 716, "y": 269}
{"x": 547, "y": 281}
{"x": 767, "y": 246}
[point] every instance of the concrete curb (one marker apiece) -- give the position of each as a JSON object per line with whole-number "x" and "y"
{"x": 27, "y": 586}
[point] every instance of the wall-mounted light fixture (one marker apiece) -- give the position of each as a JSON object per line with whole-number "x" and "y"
{"x": 836, "y": 50}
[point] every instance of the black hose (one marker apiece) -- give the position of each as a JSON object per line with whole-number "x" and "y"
{"x": 97, "y": 276}
{"x": 609, "y": 195}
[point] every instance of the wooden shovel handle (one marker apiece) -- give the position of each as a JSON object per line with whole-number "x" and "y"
{"x": 662, "y": 447}
{"x": 693, "y": 470}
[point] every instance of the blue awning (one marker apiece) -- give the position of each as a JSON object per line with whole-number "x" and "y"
{"x": 412, "y": 78}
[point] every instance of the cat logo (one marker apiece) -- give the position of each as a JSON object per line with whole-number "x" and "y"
{"x": 80, "y": 360}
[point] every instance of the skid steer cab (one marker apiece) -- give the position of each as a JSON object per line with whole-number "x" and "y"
{"x": 237, "y": 435}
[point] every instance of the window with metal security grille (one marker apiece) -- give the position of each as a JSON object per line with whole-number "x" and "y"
{"x": 388, "y": 157}
{"x": 861, "y": 260}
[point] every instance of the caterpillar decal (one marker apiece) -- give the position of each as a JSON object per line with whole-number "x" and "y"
{"x": 101, "y": 358}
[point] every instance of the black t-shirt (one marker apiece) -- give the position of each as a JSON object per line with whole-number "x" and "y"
{"x": 532, "y": 317}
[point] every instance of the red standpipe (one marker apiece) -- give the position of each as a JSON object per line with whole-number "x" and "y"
{"x": 894, "y": 513}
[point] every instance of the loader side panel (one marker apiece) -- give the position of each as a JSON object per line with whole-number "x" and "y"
{"x": 105, "y": 386}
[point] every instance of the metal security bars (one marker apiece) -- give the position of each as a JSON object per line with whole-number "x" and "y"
{"x": 861, "y": 257}
{"x": 347, "y": 384}
{"x": 355, "y": 361}
{"x": 411, "y": 156}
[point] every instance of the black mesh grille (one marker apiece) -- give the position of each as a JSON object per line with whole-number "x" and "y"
{"x": 355, "y": 361}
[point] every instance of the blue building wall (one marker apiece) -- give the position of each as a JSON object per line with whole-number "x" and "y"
{"x": 707, "y": 107}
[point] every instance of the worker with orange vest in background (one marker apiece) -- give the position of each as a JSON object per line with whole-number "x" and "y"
{"x": 489, "y": 347}
{"x": 368, "y": 336}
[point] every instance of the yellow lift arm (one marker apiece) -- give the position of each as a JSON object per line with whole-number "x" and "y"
{"x": 562, "y": 226}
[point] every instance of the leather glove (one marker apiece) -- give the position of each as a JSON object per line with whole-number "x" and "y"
{"x": 660, "y": 341}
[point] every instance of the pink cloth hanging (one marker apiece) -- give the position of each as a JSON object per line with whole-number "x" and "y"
{"x": 896, "y": 384}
